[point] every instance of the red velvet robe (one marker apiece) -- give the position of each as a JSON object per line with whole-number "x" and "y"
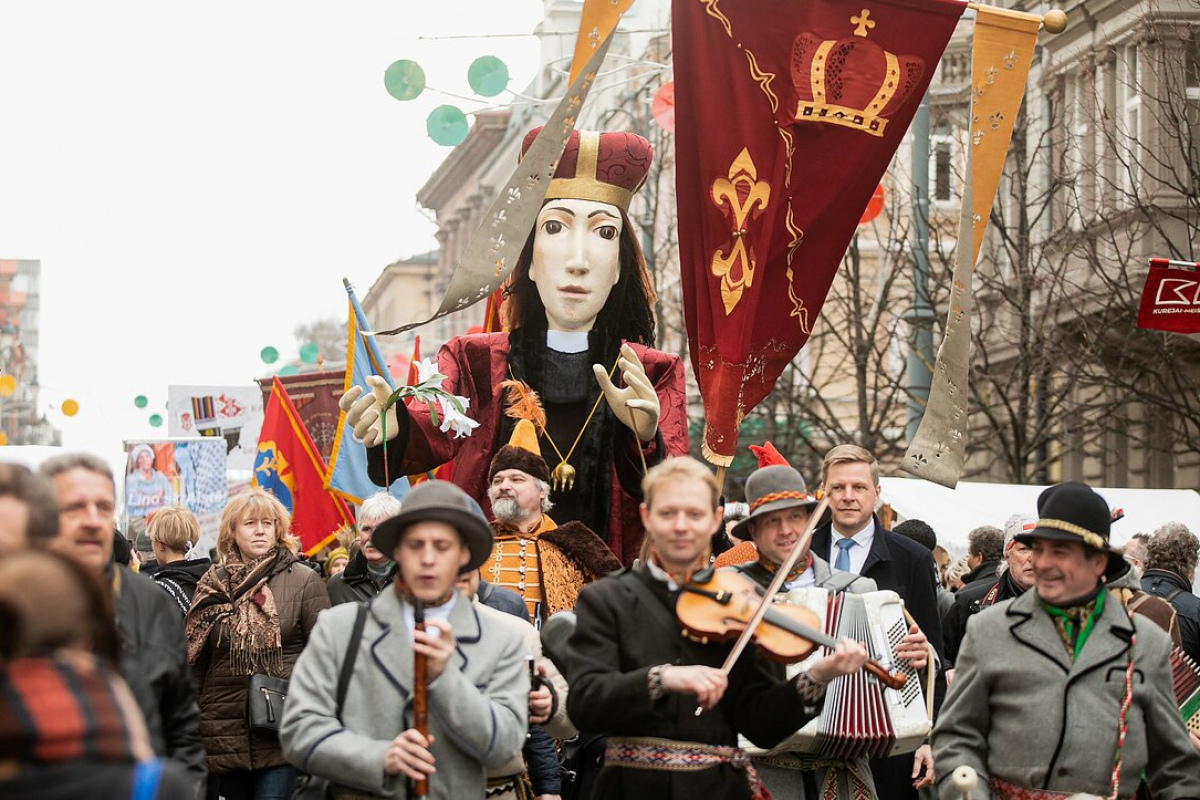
{"x": 474, "y": 366}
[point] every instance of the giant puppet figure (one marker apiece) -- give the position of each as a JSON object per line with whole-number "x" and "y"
{"x": 579, "y": 311}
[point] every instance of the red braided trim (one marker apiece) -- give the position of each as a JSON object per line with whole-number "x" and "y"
{"x": 773, "y": 496}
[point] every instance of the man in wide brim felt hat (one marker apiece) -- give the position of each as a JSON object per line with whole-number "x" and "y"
{"x": 439, "y": 501}
{"x": 1072, "y": 512}
{"x": 1099, "y": 678}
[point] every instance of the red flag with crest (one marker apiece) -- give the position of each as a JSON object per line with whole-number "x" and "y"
{"x": 782, "y": 156}
{"x": 289, "y": 466}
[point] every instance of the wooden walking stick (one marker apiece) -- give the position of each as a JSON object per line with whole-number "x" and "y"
{"x": 420, "y": 692}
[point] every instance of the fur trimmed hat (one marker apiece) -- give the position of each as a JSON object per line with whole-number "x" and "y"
{"x": 521, "y": 452}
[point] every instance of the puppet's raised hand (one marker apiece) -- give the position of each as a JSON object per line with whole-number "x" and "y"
{"x": 636, "y": 405}
{"x": 363, "y": 412}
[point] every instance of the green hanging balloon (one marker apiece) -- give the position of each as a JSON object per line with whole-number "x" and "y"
{"x": 288, "y": 369}
{"x": 447, "y": 126}
{"x": 309, "y": 353}
{"x": 156, "y": 420}
{"x": 269, "y": 355}
{"x": 140, "y": 401}
{"x": 488, "y": 76}
{"x": 404, "y": 80}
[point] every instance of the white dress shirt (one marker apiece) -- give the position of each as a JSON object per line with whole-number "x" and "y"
{"x": 858, "y": 553}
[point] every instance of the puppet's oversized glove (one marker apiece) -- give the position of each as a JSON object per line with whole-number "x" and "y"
{"x": 637, "y": 404}
{"x": 363, "y": 413}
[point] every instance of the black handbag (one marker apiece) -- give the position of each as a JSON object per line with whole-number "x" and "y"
{"x": 264, "y": 703}
{"x": 310, "y": 787}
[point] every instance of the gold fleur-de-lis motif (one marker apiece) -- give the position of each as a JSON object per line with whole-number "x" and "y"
{"x": 990, "y": 74}
{"x": 499, "y": 218}
{"x": 514, "y": 194}
{"x": 501, "y": 263}
{"x": 919, "y": 460}
{"x": 739, "y": 195}
{"x": 1010, "y": 59}
{"x": 498, "y": 241}
{"x": 956, "y": 434}
{"x": 995, "y": 120}
{"x": 976, "y": 137}
{"x": 462, "y": 302}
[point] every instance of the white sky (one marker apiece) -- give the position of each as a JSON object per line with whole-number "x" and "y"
{"x": 197, "y": 178}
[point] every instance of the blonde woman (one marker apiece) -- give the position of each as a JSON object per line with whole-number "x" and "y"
{"x": 173, "y": 534}
{"x": 251, "y": 615}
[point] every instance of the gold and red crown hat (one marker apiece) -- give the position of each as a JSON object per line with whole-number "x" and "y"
{"x": 605, "y": 167}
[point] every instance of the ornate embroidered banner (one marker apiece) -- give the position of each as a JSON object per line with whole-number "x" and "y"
{"x": 775, "y": 163}
{"x": 1001, "y": 55}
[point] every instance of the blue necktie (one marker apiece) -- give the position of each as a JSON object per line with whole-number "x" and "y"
{"x": 843, "y": 556}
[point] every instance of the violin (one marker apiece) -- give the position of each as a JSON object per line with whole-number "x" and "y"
{"x": 718, "y": 605}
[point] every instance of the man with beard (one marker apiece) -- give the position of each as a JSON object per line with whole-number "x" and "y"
{"x": 370, "y": 571}
{"x": 546, "y": 563}
{"x": 1014, "y": 577}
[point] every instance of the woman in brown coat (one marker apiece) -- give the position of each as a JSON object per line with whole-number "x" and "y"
{"x": 251, "y": 615}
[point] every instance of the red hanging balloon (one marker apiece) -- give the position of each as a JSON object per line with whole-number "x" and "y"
{"x": 663, "y": 107}
{"x": 874, "y": 206}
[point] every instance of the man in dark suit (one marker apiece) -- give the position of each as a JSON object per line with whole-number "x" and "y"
{"x": 855, "y": 541}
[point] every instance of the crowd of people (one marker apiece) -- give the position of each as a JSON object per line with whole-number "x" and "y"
{"x": 256, "y": 675}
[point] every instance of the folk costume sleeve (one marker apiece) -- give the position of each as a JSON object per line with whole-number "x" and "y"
{"x": 605, "y": 694}
{"x": 312, "y": 737}
{"x": 959, "y": 738}
{"x": 489, "y": 722}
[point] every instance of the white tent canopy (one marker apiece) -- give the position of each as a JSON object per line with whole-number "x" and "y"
{"x": 953, "y": 513}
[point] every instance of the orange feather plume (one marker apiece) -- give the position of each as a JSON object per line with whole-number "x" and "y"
{"x": 524, "y": 403}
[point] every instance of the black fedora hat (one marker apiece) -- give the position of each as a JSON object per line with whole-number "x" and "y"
{"x": 1072, "y": 512}
{"x": 439, "y": 501}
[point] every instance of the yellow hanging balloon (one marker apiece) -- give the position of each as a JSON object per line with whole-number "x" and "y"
{"x": 8, "y": 385}
{"x": 70, "y": 408}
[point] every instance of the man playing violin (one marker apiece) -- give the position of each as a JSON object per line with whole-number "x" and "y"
{"x": 672, "y": 715}
{"x": 780, "y": 506}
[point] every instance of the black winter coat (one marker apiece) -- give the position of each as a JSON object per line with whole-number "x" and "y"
{"x": 354, "y": 584}
{"x": 1163, "y": 583}
{"x": 154, "y": 664}
{"x": 969, "y": 602}
{"x": 179, "y": 578}
{"x": 620, "y": 635}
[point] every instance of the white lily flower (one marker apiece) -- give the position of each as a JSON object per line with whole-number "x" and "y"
{"x": 453, "y": 419}
{"x": 428, "y": 375}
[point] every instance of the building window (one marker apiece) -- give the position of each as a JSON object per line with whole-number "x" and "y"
{"x": 1129, "y": 91}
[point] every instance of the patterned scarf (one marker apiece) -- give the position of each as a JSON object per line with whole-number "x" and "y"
{"x": 1075, "y": 622}
{"x": 797, "y": 570}
{"x": 234, "y": 598}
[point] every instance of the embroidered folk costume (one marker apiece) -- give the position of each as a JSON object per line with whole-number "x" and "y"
{"x": 547, "y": 564}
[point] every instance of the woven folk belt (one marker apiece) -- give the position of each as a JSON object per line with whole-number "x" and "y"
{"x": 1004, "y": 790}
{"x": 636, "y": 752}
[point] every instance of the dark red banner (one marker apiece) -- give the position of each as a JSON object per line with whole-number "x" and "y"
{"x": 789, "y": 113}
{"x": 1171, "y": 297}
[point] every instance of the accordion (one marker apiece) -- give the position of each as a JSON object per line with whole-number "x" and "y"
{"x": 1185, "y": 674}
{"x": 860, "y": 717}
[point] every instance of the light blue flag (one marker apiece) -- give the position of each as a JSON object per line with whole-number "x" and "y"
{"x": 348, "y": 461}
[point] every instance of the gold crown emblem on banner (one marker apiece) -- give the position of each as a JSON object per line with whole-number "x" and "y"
{"x": 851, "y": 81}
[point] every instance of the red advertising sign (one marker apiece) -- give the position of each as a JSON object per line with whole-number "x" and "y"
{"x": 1171, "y": 297}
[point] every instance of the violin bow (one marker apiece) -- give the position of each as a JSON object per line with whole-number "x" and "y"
{"x": 780, "y": 576}
{"x": 420, "y": 694}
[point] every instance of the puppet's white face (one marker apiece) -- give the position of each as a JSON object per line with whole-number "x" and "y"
{"x": 576, "y": 261}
